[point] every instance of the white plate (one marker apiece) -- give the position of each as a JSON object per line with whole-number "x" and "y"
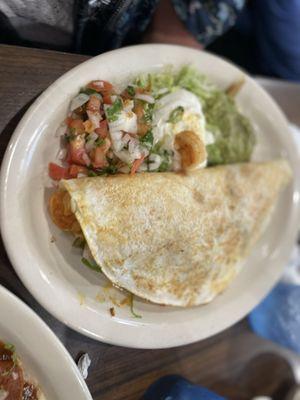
{"x": 53, "y": 272}
{"x": 43, "y": 356}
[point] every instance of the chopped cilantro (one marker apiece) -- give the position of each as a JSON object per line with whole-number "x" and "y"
{"x": 130, "y": 90}
{"x": 91, "y": 265}
{"x": 79, "y": 242}
{"x": 164, "y": 166}
{"x": 148, "y": 112}
{"x": 176, "y": 114}
{"x": 10, "y": 347}
{"x": 114, "y": 110}
{"x": 131, "y": 308}
{"x": 88, "y": 91}
{"x": 92, "y": 173}
{"x": 147, "y": 139}
{"x": 110, "y": 170}
{"x": 71, "y": 136}
{"x": 99, "y": 142}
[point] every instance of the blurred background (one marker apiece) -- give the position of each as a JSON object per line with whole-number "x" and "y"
{"x": 262, "y": 36}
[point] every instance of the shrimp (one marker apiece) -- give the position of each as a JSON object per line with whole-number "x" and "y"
{"x": 61, "y": 212}
{"x": 191, "y": 149}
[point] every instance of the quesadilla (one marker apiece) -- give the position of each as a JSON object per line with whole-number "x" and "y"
{"x": 176, "y": 239}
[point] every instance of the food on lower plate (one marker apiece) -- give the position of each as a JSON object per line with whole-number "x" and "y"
{"x": 15, "y": 384}
{"x": 172, "y": 238}
{"x": 163, "y": 121}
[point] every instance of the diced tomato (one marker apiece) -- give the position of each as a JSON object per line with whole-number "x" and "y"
{"x": 93, "y": 104}
{"x": 99, "y": 154}
{"x": 76, "y": 124}
{"x": 136, "y": 165}
{"x": 74, "y": 170}
{"x": 78, "y": 153}
{"x": 102, "y": 131}
{"x": 107, "y": 99}
{"x": 57, "y": 173}
{"x": 101, "y": 86}
{"x": 68, "y": 120}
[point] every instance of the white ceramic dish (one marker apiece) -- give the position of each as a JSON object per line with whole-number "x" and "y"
{"x": 43, "y": 356}
{"x": 53, "y": 272}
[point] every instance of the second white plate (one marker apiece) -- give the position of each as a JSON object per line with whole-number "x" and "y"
{"x": 43, "y": 356}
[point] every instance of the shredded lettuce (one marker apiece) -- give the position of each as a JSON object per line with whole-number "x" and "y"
{"x": 233, "y": 133}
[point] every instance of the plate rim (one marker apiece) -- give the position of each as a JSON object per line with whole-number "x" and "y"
{"x": 8, "y": 242}
{"x": 49, "y": 335}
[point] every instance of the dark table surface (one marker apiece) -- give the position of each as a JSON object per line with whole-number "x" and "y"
{"x": 236, "y": 362}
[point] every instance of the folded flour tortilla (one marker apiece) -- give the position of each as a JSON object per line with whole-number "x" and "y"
{"x": 177, "y": 239}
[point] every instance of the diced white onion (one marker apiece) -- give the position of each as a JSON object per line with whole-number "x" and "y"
{"x": 92, "y": 136}
{"x": 135, "y": 149}
{"x": 90, "y": 145}
{"x": 86, "y": 159}
{"x": 79, "y": 100}
{"x": 125, "y": 169}
{"x": 62, "y": 154}
{"x": 143, "y": 167}
{"x": 125, "y": 139}
{"x": 61, "y": 130}
{"x": 145, "y": 97}
{"x": 94, "y": 117}
{"x": 81, "y": 175}
{"x": 124, "y": 156}
{"x": 116, "y": 137}
{"x": 162, "y": 91}
{"x": 154, "y": 161}
{"x": 128, "y": 105}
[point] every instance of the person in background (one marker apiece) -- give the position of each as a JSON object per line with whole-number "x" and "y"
{"x": 95, "y": 26}
{"x": 265, "y": 39}
{"x": 262, "y": 36}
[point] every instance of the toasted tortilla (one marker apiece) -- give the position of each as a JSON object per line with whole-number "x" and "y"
{"x": 172, "y": 238}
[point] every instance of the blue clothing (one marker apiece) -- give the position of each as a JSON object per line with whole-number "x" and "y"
{"x": 277, "y": 36}
{"x": 108, "y": 24}
{"x": 209, "y": 19}
{"x": 174, "y": 387}
{"x": 102, "y": 25}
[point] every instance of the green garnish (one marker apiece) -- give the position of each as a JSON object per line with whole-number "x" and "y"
{"x": 148, "y": 112}
{"x": 130, "y": 90}
{"x": 92, "y": 173}
{"x": 176, "y": 115}
{"x": 114, "y": 110}
{"x": 99, "y": 142}
{"x": 71, "y": 136}
{"x": 10, "y": 347}
{"x": 88, "y": 91}
{"x": 91, "y": 265}
{"x": 164, "y": 166}
{"x": 110, "y": 170}
{"x": 131, "y": 308}
{"x": 143, "y": 81}
{"x": 79, "y": 243}
{"x": 147, "y": 139}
